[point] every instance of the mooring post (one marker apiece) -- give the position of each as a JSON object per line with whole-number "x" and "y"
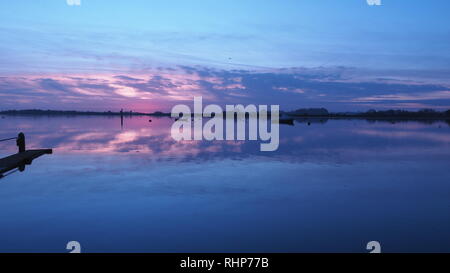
{"x": 121, "y": 118}
{"x": 21, "y": 142}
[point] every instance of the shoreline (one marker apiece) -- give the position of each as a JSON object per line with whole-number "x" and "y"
{"x": 382, "y": 115}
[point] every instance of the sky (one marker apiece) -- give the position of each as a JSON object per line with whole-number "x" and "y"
{"x": 149, "y": 55}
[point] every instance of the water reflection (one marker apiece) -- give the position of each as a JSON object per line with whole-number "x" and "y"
{"x": 331, "y": 186}
{"x": 322, "y": 140}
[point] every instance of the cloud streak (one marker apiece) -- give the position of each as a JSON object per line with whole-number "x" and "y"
{"x": 160, "y": 89}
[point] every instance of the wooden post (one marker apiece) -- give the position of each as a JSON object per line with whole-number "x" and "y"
{"x": 121, "y": 118}
{"x": 21, "y": 142}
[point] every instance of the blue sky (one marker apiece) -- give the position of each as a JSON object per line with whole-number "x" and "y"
{"x": 83, "y": 49}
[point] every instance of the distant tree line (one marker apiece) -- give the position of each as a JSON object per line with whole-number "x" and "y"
{"x": 307, "y": 112}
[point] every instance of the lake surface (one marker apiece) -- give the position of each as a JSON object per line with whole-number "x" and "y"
{"x": 332, "y": 186}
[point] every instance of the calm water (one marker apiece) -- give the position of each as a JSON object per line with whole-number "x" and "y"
{"x": 331, "y": 186}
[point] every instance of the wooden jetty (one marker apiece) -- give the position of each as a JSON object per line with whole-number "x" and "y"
{"x": 20, "y": 159}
